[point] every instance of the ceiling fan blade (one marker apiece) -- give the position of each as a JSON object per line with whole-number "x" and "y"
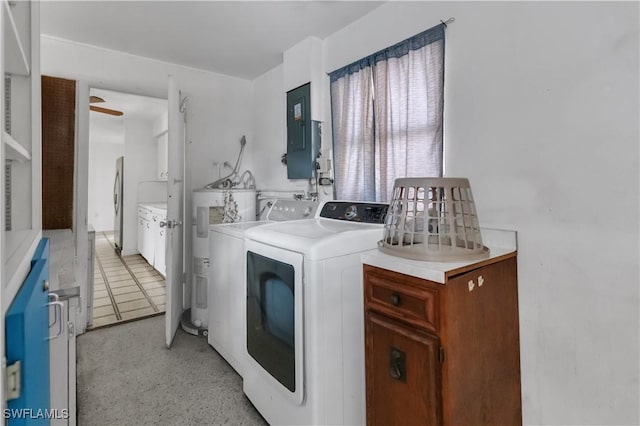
{"x": 106, "y": 110}
{"x": 95, "y": 99}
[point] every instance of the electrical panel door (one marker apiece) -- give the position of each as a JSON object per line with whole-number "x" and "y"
{"x": 302, "y": 134}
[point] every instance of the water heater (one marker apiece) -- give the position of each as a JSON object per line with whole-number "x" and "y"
{"x": 213, "y": 206}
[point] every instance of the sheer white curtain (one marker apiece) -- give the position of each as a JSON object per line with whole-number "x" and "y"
{"x": 352, "y": 114}
{"x": 404, "y": 86}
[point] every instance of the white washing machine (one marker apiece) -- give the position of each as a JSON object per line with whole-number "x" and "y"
{"x": 212, "y": 206}
{"x": 227, "y": 291}
{"x": 304, "y": 313}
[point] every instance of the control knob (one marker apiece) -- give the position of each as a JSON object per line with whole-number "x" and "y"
{"x": 351, "y": 212}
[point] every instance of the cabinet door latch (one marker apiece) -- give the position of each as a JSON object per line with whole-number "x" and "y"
{"x": 13, "y": 380}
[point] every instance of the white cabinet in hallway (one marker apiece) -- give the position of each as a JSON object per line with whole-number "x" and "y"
{"x": 145, "y": 237}
{"x": 159, "y": 238}
{"x": 151, "y": 237}
{"x": 159, "y": 257}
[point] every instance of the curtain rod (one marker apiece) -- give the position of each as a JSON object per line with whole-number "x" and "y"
{"x": 448, "y": 21}
{"x": 443, "y": 23}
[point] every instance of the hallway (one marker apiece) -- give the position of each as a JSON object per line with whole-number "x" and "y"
{"x": 125, "y": 288}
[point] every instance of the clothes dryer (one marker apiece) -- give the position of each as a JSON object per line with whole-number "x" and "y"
{"x": 304, "y": 315}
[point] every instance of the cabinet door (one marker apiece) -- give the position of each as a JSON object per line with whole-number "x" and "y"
{"x": 403, "y": 374}
{"x": 481, "y": 372}
{"x": 59, "y": 361}
{"x": 62, "y": 348}
{"x": 73, "y": 310}
{"x": 160, "y": 251}
{"x": 149, "y": 241}
{"x": 141, "y": 228}
{"x": 26, "y": 341}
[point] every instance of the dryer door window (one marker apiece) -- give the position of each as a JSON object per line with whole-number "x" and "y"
{"x": 271, "y": 317}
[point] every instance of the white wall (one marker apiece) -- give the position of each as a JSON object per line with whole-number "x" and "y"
{"x": 542, "y": 116}
{"x": 218, "y": 112}
{"x": 302, "y": 64}
{"x": 105, "y": 146}
{"x": 269, "y": 103}
{"x": 140, "y": 166}
{"x": 110, "y": 138}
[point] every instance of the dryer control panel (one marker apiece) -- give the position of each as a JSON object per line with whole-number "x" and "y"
{"x": 355, "y": 211}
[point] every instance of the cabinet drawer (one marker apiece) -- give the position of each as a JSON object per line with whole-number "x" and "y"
{"x": 144, "y": 213}
{"x": 398, "y": 296}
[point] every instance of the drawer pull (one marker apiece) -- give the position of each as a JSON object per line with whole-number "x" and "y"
{"x": 397, "y": 364}
{"x": 395, "y": 299}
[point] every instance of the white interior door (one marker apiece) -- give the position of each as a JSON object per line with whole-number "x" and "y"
{"x": 175, "y": 217}
{"x": 81, "y": 204}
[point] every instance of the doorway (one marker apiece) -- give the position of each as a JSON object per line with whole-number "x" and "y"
{"x": 126, "y": 130}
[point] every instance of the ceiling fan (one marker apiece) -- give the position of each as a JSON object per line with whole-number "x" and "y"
{"x": 96, "y": 100}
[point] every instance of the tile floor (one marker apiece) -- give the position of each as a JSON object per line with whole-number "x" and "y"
{"x": 124, "y": 288}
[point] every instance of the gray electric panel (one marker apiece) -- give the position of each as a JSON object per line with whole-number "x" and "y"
{"x": 303, "y": 135}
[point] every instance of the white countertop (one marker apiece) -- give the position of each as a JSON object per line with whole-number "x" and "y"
{"x": 500, "y": 243}
{"x": 154, "y": 205}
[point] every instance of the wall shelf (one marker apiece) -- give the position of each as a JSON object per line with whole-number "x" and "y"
{"x": 21, "y": 142}
{"x": 16, "y": 61}
{"x": 13, "y": 150}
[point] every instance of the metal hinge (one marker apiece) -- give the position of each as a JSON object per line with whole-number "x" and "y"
{"x": 441, "y": 355}
{"x": 13, "y": 381}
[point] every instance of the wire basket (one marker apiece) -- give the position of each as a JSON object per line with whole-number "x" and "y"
{"x": 433, "y": 219}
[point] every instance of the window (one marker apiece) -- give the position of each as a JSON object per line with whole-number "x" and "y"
{"x": 387, "y": 113}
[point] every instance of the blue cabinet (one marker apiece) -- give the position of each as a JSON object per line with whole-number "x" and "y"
{"x": 27, "y": 345}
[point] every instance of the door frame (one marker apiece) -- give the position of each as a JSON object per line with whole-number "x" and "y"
{"x": 81, "y": 200}
{"x": 81, "y": 187}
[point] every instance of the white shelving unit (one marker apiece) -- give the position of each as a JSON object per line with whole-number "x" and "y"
{"x": 16, "y": 56}
{"x": 21, "y": 143}
{"x": 13, "y": 150}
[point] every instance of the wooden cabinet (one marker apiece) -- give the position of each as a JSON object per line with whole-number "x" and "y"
{"x": 443, "y": 353}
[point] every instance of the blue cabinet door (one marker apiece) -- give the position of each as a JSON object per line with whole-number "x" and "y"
{"x": 27, "y": 333}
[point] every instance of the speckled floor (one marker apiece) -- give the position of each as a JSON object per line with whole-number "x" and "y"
{"x": 126, "y": 376}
